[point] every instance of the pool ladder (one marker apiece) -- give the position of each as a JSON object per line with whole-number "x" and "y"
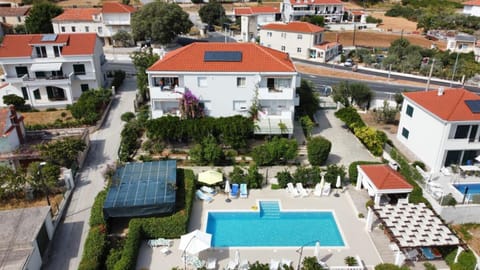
{"x": 269, "y": 209}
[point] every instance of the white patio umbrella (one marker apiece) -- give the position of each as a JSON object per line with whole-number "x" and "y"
{"x": 477, "y": 158}
{"x": 316, "y": 251}
{"x": 210, "y": 177}
{"x": 322, "y": 183}
{"x": 339, "y": 182}
{"x": 195, "y": 242}
{"x": 227, "y": 187}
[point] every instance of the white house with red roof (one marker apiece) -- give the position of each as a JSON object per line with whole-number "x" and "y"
{"x": 380, "y": 180}
{"x": 300, "y": 40}
{"x": 252, "y": 18}
{"x": 294, "y": 10}
{"x": 105, "y": 21}
{"x": 441, "y": 127}
{"x": 50, "y": 70}
{"x": 472, "y": 8}
{"x": 14, "y": 16}
{"x": 226, "y": 78}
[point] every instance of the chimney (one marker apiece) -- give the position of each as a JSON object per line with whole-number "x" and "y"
{"x": 15, "y": 121}
{"x": 440, "y": 91}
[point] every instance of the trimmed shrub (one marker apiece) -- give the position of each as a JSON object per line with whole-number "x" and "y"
{"x": 113, "y": 257}
{"x": 318, "y": 149}
{"x": 95, "y": 249}
{"x": 333, "y": 171}
{"x": 284, "y": 178}
{"x": 126, "y": 117}
{"x": 350, "y": 116}
{"x": 96, "y": 214}
{"x": 90, "y": 105}
{"x": 353, "y": 172}
{"x": 371, "y": 138}
{"x": 118, "y": 78}
{"x": 14, "y": 100}
{"x": 277, "y": 151}
{"x": 419, "y": 164}
{"x": 389, "y": 266}
{"x": 466, "y": 260}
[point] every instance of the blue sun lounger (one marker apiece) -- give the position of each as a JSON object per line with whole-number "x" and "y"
{"x": 234, "y": 191}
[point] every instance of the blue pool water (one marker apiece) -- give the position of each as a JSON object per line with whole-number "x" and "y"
{"x": 270, "y": 227}
{"x": 472, "y": 188}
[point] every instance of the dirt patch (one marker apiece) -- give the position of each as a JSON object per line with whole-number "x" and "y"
{"x": 55, "y": 200}
{"x": 43, "y": 118}
{"x": 396, "y": 24}
{"x": 379, "y": 40}
{"x": 369, "y": 119}
{"x": 474, "y": 231}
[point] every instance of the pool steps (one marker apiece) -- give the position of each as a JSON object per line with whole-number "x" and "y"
{"x": 269, "y": 209}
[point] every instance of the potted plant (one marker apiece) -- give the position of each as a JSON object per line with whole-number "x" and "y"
{"x": 350, "y": 261}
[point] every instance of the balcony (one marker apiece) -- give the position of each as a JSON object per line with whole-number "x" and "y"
{"x": 280, "y": 123}
{"x": 49, "y": 80}
{"x": 272, "y": 93}
{"x": 166, "y": 92}
{"x": 303, "y": 12}
{"x": 14, "y": 79}
{"x": 116, "y": 22}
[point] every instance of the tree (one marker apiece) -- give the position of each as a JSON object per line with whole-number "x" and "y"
{"x": 212, "y": 13}
{"x": 11, "y": 183}
{"x": 143, "y": 60}
{"x": 318, "y": 149}
{"x": 206, "y": 152}
{"x": 161, "y": 22}
{"x": 14, "y": 100}
{"x": 90, "y": 104}
{"x": 123, "y": 38}
{"x": 311, "y": 263}
{"x": 309, "y": 102}
{"x": 39, "y": 18}
{"x": 314, "y": 19}
{"x": 63, "y": 152}
{"x": 361, "y": 94}
{"x": 20, "y": 29}
{"x": 398, "y": 97}
{"x": 190, "y": 106}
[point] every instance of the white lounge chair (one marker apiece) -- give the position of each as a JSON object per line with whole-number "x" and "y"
{"x": 286, "y": 262}
{"x": 208, "y": 190}
{"x": 327, "y": 188}
{"x": 244, "y": 265}
{"x": 303, "y": 192}
{"x": 274, "y": 264}
{"x": 233, "y": 263}
{"x": 243, "y": 191}
{"x": 318, "y": 190}
{"x": 202, "y": 196}
{"x": 160, "y": 242}
{"x": 292, "y": 190}
{"x": 211, "y": 263}
{"x": 194, "y": 261}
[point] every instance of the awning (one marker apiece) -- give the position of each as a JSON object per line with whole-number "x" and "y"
{"x": 46, "y": 67}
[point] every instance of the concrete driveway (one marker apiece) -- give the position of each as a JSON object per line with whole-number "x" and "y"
{"x": 67, "y": 245}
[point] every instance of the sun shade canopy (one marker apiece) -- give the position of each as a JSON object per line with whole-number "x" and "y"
{"x": 46, "y": 67}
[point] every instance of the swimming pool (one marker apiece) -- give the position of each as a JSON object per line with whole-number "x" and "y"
{"x": 270, "y": 227}
{"x": 473, "y": 188}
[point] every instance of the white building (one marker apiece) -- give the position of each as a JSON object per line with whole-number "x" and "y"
{"x": 300, "y": 40}
{"x": 464, "y": 43}
{"x": 252, "y": 18}
{"x": 441, "y": 127}
{"x": 50, "y": 70}
{"x": 226, "y": 78}
{"x": 472, "y": 8}
{"x": 294, "y": 10}
{"x": 105, "y": 21}
{"x": 14, "y": 16}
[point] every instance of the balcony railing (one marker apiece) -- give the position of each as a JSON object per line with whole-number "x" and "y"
{"x": 275, "y": 93}
{"x": 49, "y": 80}
{"x": 157, "y": 92}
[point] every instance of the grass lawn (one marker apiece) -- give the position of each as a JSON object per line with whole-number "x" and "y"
{"x": 43, "y": 118}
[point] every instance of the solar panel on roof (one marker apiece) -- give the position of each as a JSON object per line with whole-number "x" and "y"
{"x": 49, "y": 37}
{"x": 222, "y": 56}
{"x": 473, "y": 105}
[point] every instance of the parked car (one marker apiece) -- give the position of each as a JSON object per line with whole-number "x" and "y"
{"x": 348, "y": 63}
{"x": 324, "y": 90}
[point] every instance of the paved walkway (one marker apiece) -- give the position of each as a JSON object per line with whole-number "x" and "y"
{"x": 67, "y": 246}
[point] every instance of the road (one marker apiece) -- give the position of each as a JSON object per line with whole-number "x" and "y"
{"x": 67, "y": 245}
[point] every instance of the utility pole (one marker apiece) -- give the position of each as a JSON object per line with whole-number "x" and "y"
{"x": 454, "y": 69}
{"x": 430, "y": 75}
{"x": 354, "y": 30}
{"x": 389, "y": 71}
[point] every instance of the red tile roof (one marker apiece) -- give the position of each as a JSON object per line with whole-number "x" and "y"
{"x": 256, "y": 10}
{"x": 316, "y": 2}
{"x": 9, "y": 11}
{"x": 255, "y": 58}
{"x": 77, "y": 14}
{"x": 450, "y": 106}
{"x": 384, "y": 177}
{"x": 297, "y": 27}
{"x": 326, "y": 45}
{"x": 115, "y": 7}
{"x": 76, "y": 44}
{"x": 472, "y": 3}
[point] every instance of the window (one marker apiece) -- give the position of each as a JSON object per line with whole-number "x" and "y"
{"x": 40, "y": 74}
{"x": 299, "y": 36}
{"x": 241, "y": 81}
{"x": 55, "y": 93}
{"x": 283, "y": 35}
{"x": 25, "y": 93}
{"x": 405, "y": 133}
{"x": 79, "y": 69}
{"x": 100, "y": 29}
{"x": 87, "y": 29}
{"x": 409, "y": 110}
{"x": 84, "y": 87}
{"x": 36, "y": 94}
{"x": 41, "y": 51}
{"x": 19, "y": 19}
{"x": 462, "y": 131}
{"x": 4, "y": 19}
{"x": 21, "y": 71}
{"x": 63, "y": 29}
{"x": 73, "y": 29}
{"x": 283, "y": 48}
{"x": 299, "y": 50}
{"x": 202, "y": 81}
{"x": 57, "y": 50}
{"x": 269, "y": 34}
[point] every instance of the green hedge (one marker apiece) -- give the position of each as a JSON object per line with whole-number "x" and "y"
{"x": 466, "y": 260}
{"x": 318, "y": 149}
{"x": 411, "y": 175}
{"x": 350, "y": 116}
{"x": 95, "y": 249}
{"x": 96, "y": 214}
{"x": 353, "y": 172}
{"x": 160, "y": 227}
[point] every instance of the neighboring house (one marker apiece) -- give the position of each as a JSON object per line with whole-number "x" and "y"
{"x": 227, "y": 77}
{"x": 25, "y": 235}
{"x": 464, "y": 43}
{"x": 441, "y": 127}
{"x": 105, "y": 21}
{"x": 14, "y": 16}
{"x": 300, "y": 40}
{"x": 12, "y": 133}
{"x": 472, "y": 8}
{"x": 294, "y": 10}
{"x": 252, "y": 18}
{"x": 51, "y": 70}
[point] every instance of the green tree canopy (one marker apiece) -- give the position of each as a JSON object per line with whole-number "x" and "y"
{"x": 161, "y": 22}
{"x": 123, "y": 38}
{"x": 309, "y": 101}
{"x": 39, "y": 19}
{"x": 62, "y": 152}
{"x": 143, "y": 60}
{"x": 212, "y": 13}
{"x": 14, "y": 100}
{"x": 314, "y": 19}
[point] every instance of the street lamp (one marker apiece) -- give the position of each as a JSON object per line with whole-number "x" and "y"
{"x": 45, "y": 188}
{"x": 185, "y": 252}
{"x": 300, "y": 252}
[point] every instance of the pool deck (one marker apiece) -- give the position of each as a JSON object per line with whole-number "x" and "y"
{"x": 357, "y": 239}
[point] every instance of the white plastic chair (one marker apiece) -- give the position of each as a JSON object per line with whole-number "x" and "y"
{"x": 292, "y": 190}
{"x": 303, "y": 192}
